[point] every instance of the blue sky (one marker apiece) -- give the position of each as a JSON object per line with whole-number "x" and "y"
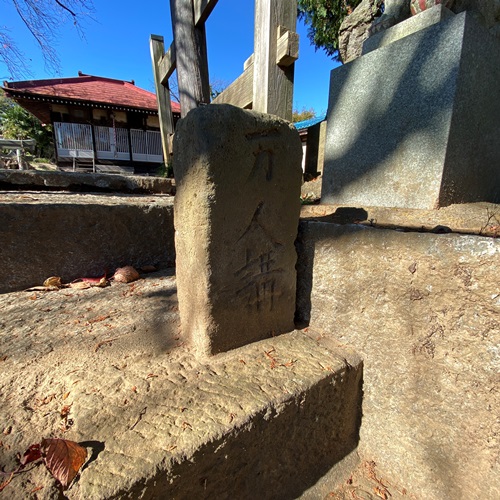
{"x": 116, "y": 45}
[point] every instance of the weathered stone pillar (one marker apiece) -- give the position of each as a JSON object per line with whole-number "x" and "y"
{"x": 238, "y": 176}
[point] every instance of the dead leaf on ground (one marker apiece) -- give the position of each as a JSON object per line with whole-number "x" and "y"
{"x": 65, "y": 411}
{"x": 42, "y": 289}
{"x": 53, "y": 281}
{"x": 32, "y": 454}
{"x": 126, "y": 274}
{"x": 80, "y": 285}
{"x": 63, "y": 458}
{"x": 100, "y": 282}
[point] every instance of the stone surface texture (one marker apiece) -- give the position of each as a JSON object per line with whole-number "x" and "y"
{"x": 354, "y": 29}
{"x": 264, "y": 421}
{"x": 238, "y": 176}
{"x": 482, "y": 219}
{"x": 423, "y": 311}
{"x": 74, "y": 235}
{"x": 415, "y": 123}
{"x": 407, "y": 27}
{"x": 357, "y": 27}
{"x": 83, "y": 182}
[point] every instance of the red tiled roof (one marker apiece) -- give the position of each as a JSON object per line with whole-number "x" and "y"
{"x": 90, "y": 88}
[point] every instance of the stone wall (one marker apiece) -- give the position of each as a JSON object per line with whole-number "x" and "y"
{"x": 422, "y": 310}
{"x": 72, "y": 235}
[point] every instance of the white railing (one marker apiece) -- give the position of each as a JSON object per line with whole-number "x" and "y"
{"x": 74, "y": 140}
{"x": 146, "y": 145}
{"x": 111, "y": 143}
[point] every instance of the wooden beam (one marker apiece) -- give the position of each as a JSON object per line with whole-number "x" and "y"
{"x": 167, "y": 65}
{"x": 203, "y": 9}
{"x": 240, "y": 92}
{"x": 272, "y": 84}
{"x": 166, "y": 119}
{"x": 287, "y": 50}
{"x": 191, "y": 56}
{"x": 248, "y": 63}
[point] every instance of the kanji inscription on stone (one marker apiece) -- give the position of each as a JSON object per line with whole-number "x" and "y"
{"x": 238, "y": 176}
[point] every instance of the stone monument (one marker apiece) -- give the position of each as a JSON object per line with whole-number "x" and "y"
{"x": 415, "y": 121}
{"x": 236, "y": 214}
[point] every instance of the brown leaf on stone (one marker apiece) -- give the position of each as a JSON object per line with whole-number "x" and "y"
{"x": 65, "y": 411}
{"x": 125, "y": 274}
{"x": 41, "y": 288}
{"x": 63, "y": 458}
{"x": 80, "y": 285}
{"x": 32, "y": 454}
{"x": 53, "y": 281}
{"x": 102, "y": 283}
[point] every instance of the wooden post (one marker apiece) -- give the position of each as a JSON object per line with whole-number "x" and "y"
{"x": 19, "y": 155}
{"x": 273, "y": 72}
{"x": 191, "y": 56}
{"x": 157, "y": 49}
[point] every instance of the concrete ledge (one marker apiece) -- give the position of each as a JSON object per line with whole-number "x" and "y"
{"x": 83, "y": 182}
{"x": 423, "y": 311}
{"x": 473, "y": 218}
{"x": 263, "y": 421}
{"x": 73, "y": 235}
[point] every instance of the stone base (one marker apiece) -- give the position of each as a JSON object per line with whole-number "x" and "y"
{"x": 422, "y": 310}
{"x": 74, "y": 235}
{"x": 264, "y": 421}
{"x": 415, "y": 124}
{"x": 36, "y": 180}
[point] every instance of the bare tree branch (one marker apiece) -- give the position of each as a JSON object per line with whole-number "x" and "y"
{"x": 43, "y": 19}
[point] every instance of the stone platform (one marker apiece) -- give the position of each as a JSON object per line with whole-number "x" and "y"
{"x": 75, "y": 235}
{"x": 110, "y": 368}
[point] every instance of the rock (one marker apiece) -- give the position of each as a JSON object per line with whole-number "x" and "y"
{"x": 354, "y": 29}
{"x": 365, "y": 21}
{"x": 238, "y": 176}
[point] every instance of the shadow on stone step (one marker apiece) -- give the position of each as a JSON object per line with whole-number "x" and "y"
{"x": 278, "y": 454}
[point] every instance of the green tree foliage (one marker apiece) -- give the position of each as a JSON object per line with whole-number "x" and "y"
{"x": 323, "y": 18}
{"x": 304, "y": 114}
{"x": 17, "y": 123}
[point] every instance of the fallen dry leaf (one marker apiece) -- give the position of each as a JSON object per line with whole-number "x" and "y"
{"x": 80, "y": 285}
{"x": 103, "y": 282}
{"x": 63, "y": 458}
{"x": 32, "y": 454}
{"x": 42, "y": 289}
{"x": 53, "y": 281}
{"x": 65, "y": 411}
{"x": 126, "y": 274}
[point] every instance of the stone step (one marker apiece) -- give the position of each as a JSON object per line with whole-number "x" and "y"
{"x": 263, "y": 421}
{"x": 75, "y": 235}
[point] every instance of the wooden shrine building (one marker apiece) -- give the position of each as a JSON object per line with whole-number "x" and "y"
{"x": 96, "y": 119}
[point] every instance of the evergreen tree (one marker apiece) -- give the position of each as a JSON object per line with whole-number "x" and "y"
{"x": 17, "y": 123}
{"x": 323, "y": 18}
